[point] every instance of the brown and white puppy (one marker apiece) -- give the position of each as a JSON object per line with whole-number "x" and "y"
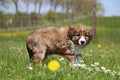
{"x": 67, "y": 42}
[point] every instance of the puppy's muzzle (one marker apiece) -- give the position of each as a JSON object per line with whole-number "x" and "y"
{"x": 82, "y": 41}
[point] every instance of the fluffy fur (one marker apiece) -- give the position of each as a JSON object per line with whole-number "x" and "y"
{"x": 61, "y": 41}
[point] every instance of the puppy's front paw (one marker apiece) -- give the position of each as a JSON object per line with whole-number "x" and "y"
{"x": 77, "y": 59}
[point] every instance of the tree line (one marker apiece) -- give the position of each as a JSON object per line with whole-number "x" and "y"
{"x": 69, "y": 9}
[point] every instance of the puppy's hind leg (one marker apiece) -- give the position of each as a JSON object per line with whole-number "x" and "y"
{"x": 39, "y": 55}
{"x": 70, "y": 58}
{"x": 30, "y": 57}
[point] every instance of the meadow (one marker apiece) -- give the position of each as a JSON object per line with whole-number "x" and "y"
{"x": 100, "y": 58}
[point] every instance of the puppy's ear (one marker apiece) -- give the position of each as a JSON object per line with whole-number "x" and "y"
{"x": 70, "y": 32}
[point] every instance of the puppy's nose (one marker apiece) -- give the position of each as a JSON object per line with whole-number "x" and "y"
{"x": 82, "y": 42}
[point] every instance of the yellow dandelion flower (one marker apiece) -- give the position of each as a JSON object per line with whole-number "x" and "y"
{"x": 99, "y": 46}
{"x": 87, "y": 54}
{"x": 53, "y": 65}
{"x": 119, "y": 51}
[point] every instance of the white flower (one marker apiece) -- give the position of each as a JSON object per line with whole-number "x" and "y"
{"x": 96, "y": 63}
{"x": 93, "y": 65}
{"x": 97, "y": 69}
{"x": 103, "y": 68}
{"x": 81, "y": 61}
{"x": 76, "y": 65}
{"x": 118, "y": 74}
{"x": 83, "y": 66}
{"x": 45, "y": 65}
{"x": 61, "y": 59}
{"x": 91, "y": 50}
{"x": 61, "y": 69}
{"x": 114, "y": 72}
{"x": 79, "y": 65}
{"x": 30, "y": 68}
{"x": 89, "y": 69}
{"x": 107, "y": 71}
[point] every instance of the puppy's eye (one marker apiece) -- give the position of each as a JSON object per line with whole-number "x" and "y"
{"x": 87, "y": 34}
{"x": 77, "y": 34}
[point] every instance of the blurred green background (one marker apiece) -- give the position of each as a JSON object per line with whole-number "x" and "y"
{"x": 20, "y": 17}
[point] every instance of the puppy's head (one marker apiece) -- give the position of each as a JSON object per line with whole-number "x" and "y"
{"x": 80, "y": 35}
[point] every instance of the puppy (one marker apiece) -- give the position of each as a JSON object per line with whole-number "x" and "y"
{"x": 67, "y": 42}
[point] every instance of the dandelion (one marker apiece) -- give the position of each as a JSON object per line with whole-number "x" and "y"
{"x": 99, "y": 46}
{"x": 88, "y": 55}
{"x": 53, "y": 65}
{"x": 17, "y": 33}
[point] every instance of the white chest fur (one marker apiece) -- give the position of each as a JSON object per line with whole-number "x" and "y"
{"x": 78, "y": 54}
{"x": 76, "y": 49}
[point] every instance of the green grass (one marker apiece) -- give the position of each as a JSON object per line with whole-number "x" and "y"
{"x": 14, "y": 57}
